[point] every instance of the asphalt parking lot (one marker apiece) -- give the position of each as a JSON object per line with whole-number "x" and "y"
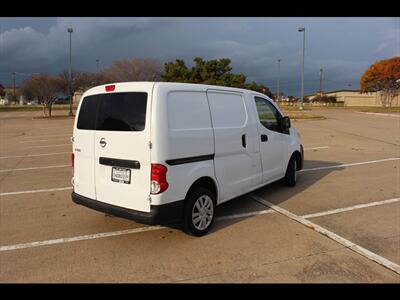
{"x": 341, "y": 223}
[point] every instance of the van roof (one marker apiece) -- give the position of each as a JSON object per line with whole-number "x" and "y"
{"x": 172, "y": 85}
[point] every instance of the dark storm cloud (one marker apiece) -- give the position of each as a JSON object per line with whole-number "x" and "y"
{"x": 343, "y": 47}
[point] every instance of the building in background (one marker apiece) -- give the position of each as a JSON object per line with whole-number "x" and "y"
{"x": 355, "y": 98}
{"x": 7, "y": 99}
{"x": 77, "y": 96}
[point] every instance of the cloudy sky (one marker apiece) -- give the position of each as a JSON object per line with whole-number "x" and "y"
{"x": 342, "y": 47}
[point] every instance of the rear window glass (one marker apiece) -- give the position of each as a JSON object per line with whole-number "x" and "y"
{"x": 87, "y": 113}
{"x": 114, "y": 112}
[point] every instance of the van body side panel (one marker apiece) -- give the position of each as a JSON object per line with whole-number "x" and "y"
{"x": 181, "y": 129}
{"x": 254, "y": 141}
{"x": 235, "y": 157}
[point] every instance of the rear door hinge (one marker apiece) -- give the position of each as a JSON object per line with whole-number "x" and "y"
{"x": 150, "y": 145}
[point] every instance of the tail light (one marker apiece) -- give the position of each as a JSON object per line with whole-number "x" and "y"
{"x": 72, "y": 160}
{"x": 158, "y": 179}
{"x": 110, "y": 88}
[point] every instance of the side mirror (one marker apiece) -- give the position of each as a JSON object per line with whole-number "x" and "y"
{"x": 286, "y": 123}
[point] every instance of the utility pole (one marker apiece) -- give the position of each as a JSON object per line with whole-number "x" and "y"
{"x": 97, "y": 65}
{"x": 320, "y": 81}
{"x": 70, "y": 30}
{"x": 302, "y": 29}
{"x": 14, "y": 97}
{"x": 279, "y": 75}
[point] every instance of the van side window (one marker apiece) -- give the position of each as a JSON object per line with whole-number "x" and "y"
{"x": 268, "y": 114}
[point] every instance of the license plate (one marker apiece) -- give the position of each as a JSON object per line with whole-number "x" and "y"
{"x": 121, "y": 175}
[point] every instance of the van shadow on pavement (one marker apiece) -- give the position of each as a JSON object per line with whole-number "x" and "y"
{"x": 277, "y": 193}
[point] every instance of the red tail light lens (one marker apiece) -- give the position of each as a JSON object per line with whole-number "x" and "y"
{"x": 158, "y": 179}
{"x": 72, "y": 160}
{"x": 110, "y": 88}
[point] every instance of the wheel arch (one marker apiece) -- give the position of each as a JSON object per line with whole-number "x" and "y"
{"x": 299, "y": 160}
{"x": 205, "y": 182}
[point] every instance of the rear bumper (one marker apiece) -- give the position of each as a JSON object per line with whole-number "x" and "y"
{"x": 159, "y": 214}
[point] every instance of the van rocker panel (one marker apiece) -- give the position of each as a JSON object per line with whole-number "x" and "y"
{"x": 159, "y": 214}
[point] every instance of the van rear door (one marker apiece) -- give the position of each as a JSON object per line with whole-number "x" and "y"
{"x": 83, "y": 148}
{"x": 121, "y": 146}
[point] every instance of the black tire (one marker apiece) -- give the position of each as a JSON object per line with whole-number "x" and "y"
{"x": 290, "y": 176}
{"x": 193, "y": 196}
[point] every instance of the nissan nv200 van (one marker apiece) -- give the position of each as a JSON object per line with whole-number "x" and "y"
{"x": 162, "y": 153}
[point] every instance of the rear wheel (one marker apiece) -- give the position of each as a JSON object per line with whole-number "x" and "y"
{"x": 291, "y": 172}
{"x": 199, "y": 212}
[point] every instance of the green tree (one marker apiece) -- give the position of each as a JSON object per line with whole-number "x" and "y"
{"x": 214, "y": 72}
{"x": 176, "y": 72}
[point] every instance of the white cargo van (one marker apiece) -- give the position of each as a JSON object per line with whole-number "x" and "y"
{"x": 162, "y": 153}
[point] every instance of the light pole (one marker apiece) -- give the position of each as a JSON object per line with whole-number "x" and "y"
{"x": 70, "y": 30}
{"x": 279, "y": 75}
{"x": 320, "y": 81}
{"x": 97, "y": 65}
{"x": 14, "y": 97}
{"x": 302, "y": 29}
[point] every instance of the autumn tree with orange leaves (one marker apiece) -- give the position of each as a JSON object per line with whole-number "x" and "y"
{"x": 383, "y": 77}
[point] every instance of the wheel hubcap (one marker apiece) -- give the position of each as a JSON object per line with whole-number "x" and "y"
{"x": 202, "y": 212}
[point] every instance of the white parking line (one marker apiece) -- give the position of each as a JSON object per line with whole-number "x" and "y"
{"x": 79, "y": 238}
{"x": 50, "y": 146}
{"x": 113, "y": 233}
{"x": 36, "y": 191}
{"x": 316, "y": 148}
{"x": 350, "y": 164}
{"x": 34, "y": 141}
{"x": 33, "y": 155}
{"x": 150, "y": 228}
{"x": 312, "y": 169}
{"x": 358, "y": 206}
{"x": 243, "y": 215}
{"x": 380, "y": 114}
{"x": 348, "y": 244}
{"x": 35, "y": 168}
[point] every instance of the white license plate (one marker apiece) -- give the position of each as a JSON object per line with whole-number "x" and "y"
{"x": 121, "y": 175}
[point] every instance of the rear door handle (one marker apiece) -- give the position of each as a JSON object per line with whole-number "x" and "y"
{"x": 244, "y": 141}
{"x": 264, "y": 138}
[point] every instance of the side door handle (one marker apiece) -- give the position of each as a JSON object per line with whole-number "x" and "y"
{"x": 264, "y": 138}
{"x": 244, "y": 141}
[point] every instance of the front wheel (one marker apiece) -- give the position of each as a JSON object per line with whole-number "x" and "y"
{"x": 291, "y": 172}
{"x": 199, "y": 212}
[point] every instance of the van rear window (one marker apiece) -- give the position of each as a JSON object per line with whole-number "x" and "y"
{"x": 114, "y": 112}
{"x": 87, "y": 113}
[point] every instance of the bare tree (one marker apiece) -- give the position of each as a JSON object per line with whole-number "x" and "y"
{"x": 2, "y": 91}
{"x": 45, "y": 88}
{"x": 132, "y": 70}
{"x": 81, "y": 81}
